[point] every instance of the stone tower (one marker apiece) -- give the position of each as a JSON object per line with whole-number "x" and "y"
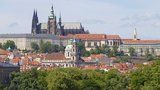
{"x": 60, "y": 29}
{"x": 34, "y": 29}
{"x": 52, "y": 24}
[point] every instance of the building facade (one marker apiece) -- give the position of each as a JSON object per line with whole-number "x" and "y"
{"x": 92, "y": 40}
{"x": 54, "y": 27}
{"x": 23, "y": 41}
{"x": 141, "y": 46}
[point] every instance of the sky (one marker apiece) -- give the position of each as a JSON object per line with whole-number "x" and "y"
{"x": 98, "y": 16}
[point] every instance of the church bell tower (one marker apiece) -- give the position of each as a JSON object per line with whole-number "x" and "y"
{"x": 52, "y": 23}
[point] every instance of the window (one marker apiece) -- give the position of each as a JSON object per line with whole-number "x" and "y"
{"x": 95, "y": 43}
{"x": 89, "y": 44}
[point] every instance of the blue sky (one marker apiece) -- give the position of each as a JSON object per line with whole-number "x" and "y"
{"x": 97, "y": 16}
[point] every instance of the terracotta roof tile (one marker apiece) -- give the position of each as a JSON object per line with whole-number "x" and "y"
{"x": 15, "y": 60}
{"x": 99, "y": 56}
{"x": 111, "y": 37}
{"x": 92, "y": 36}
{"x": 3, "y": 52}
{"x": 131, "y": 41}
{"x": 55, "y": 56}
{"x": 34, "y": 63}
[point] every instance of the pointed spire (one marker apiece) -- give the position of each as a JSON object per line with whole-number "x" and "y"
{"x": 135, "y": 34}
{"x": 34, "y": 22}
{"x": 52, "y": 11}
{"x": 60, "y": 19}
{"x": 34, "y": 13}
{"x": 36, "y": 16}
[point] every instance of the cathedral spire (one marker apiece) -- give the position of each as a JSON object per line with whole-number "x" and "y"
{"x": 36, "y": 16}
{"x": 34, "y": 22}
{"x": 52, "y": 11}
{"x": 34, "y": 13}
{"x": 60, "y": 19}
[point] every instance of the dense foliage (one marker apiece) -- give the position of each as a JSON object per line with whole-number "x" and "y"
{"x": 9, "y": 44}
{"x": 46, "y": 47}
{"x": 144, "y": 78}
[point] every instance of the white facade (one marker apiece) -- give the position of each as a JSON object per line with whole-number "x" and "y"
{"x": 23, "y": 41}
{"x": 91, "y": 44}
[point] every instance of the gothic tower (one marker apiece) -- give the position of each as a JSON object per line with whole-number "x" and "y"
{"x": 60, "y": 29}
{"x": 52, "y": 24}
{"x": 34, "y": 29}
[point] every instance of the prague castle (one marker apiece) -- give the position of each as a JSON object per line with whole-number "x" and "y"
{"x": 56, "y": 27}
{"x": 60, "y": 33}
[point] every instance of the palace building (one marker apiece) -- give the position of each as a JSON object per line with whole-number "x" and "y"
{"x": 55, "y": 27}
{"x": 140, "y": 46}
{"x": 92, "y": 40}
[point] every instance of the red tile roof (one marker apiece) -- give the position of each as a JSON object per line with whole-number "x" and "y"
{"x": 35, "y": 63}
{"x": 3, "y": 52}
{"x": 92, "y": 36}
{"x": 110, "y": 37}
{"x": 97, "y": 56}
{"x": 55, "y": 56}
{"x": 15, "y": 60}
{"x": 132, "y": 41}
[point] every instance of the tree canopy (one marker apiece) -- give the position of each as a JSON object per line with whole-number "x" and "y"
{"x": 144, "y": 78}
{"x": 9, "y": 44}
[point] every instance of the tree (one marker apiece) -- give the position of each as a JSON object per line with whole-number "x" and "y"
{"x": 116, "y": 81}
{"x": 35, "y": 46}
{"x": 123, "y": 58}
{"x": 62, "y": 48}
{"x": 86, "y": 54}
{"x": 105, "y": 49}
{"x": 1, "y": 85}
{"x": 46, "y": 47}
{"x": 81, "y": 48}
{"x": 115, "y": 50}
{"x": 149, "y": 57}
{"x": 1, "y": 46}
{"x": 55, "y": 48}
{"x": 60, "y": 79}
{"x": 131, "y": 51}
{"x": 32, "y": 80}
{"x": 9, "y": 44}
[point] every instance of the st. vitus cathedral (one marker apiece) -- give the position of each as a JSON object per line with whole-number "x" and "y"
{"x": 54, "y": 27}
